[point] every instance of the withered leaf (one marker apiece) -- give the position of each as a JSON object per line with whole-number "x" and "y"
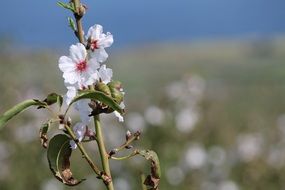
{"x": 43, "y": 134}
{"x": 152, "y": 180}
{"x": 58, "y": 154}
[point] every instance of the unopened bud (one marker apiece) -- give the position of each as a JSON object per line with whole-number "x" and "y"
{"x": 128, "y": 135}
{"x": 115, "y": 84}
{"x": 81, "y": 10}
{"x": 100, "y": 86}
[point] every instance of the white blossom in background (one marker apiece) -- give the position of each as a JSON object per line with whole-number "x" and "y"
{"x": 121, "y": 184}
{"x": 76, "y": 67}
{"x": 135, "y": 122}
{"x": 217, "y": 155}
{"x": 208, "y": 185}
{"x": 249, "y": 146}
{"x": 195, "y": 156}
{"x": 51, "y": 184}
{"x": 79, "y": 131}
{"x": 154, "y": 115}
{"x": 186, "y": 120}
{"x": 175, "y": 175}
{"x": 281, "y": 124}
{"x": 98, "y": 42}
{"x": 275, "y": 157}
{"x": 228, "y": 185}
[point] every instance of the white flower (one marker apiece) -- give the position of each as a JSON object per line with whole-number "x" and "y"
{"x": 118, "y": 115}
{"x": 82, "y": 106}
{"x": 71, "y": 93}
{"x": 79, "y": 131}
{"x": 105, "y": 74}
{"x": 98, "y": 42}
{"x": 76, "y": 68}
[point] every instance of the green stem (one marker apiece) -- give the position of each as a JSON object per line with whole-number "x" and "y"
{"x": 103, "y": 153}
{"x": 125, "y": 157}
{"x": 85, "y": 155}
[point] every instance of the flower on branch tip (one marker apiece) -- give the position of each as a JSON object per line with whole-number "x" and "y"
{"x": 76, "y": 67}
{"x": 98, "y": 41}
{"x": 79, "y": 130}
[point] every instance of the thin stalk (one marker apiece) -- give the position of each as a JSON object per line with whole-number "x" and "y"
{"x": 103, "y": 153}
{"x": 85, "y": 155}
{"x": 78, "y": 16}
{"x": 125, "y": 157}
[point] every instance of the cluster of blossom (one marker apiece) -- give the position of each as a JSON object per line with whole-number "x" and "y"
{"x": 82, "y": 68}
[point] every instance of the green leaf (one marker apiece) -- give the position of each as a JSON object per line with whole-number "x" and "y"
{"x": 100, "y": 96}
{"x": 68, "y": 6}
{"x": 153, "y": 179}
{"x": 58, "y": 155}
{"x": 71, "y": 24}
{"x": 18, "y": 109}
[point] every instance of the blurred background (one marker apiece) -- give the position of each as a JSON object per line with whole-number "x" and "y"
{"x": 204, "y": 82}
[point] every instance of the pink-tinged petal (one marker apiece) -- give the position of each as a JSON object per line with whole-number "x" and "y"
{"x": 105, "y": 74}
{"x": 100, "y": 55}
{"x": 78, "y": 52}
{"x": 66, "y": 64}
{"x": 106, "y": 41}
{"x": 94, "y": 32}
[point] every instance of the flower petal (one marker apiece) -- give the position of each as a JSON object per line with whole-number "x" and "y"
{"x": 94, "y": 32}
{"x": 106, "y": 41}
{"x": 84, "y": 110}
{"x": 100, "y": 55}
{"x": 71, "y": 93}
{"x": 78, "y": 52}
{"x": 105, "y": 74}
{"x": 71, "y": 77}
{"x": 66, "y": 64}
{"x": 119, "y": 116}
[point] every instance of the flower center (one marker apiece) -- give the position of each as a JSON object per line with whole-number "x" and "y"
{"x": 81, "y": 66}
{"x": 94, "y": 45}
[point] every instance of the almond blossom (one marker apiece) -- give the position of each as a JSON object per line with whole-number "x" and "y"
{"x": 76, "y": 67}
{"x": 98, "y": 41}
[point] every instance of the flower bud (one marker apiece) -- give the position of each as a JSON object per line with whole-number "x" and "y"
{"x": 103, "y": 88}
{"x": 115, "y": 84}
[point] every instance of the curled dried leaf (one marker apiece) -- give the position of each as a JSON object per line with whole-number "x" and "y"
{"x": 58, "y": 154}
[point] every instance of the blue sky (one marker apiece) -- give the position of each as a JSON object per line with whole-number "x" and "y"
{"x": 42, "y": 23}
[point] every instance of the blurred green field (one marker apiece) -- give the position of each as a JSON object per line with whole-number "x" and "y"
{"x": 214, "y": 112}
